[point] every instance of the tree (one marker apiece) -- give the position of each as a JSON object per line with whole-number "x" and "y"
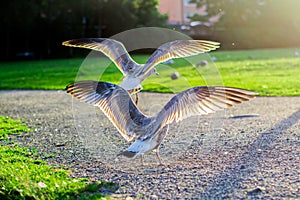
{"x": 257, "y": 23}
{"x": 147, "y": 13}
{"x": 40, "y": 26}
{"x": 120, "y": 15}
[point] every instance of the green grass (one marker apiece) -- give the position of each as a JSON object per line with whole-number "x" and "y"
{"x": 10, "y": 126}
{"x": 46, "y": 74}
{"x": 23, "y": 176}
{"x": 271, "y": 72}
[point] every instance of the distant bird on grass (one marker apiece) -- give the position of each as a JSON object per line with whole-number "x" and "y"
{"x": 149, "y": 132}
{"x": 134, "y": 73}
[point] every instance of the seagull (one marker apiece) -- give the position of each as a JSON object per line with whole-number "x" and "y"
{"x": 134, "y": 73}
{"x": 148, "y": 132}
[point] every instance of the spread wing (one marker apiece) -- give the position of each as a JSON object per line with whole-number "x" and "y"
{"x": 113, "y": 49}
{"x": 115, "y": 103}
{"x": 178, "y": 49}
{"x": 201, "y": 101}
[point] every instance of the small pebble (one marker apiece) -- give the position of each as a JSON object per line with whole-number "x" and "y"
{"x": 254, "y": 191}
{"x": 174, "y": 75}
{"x": 154, "y": 196}
{"x": 242, "y": 167}
{"x": 150, "y": 170}
{"x": 60, "y": 144}
{"x": 202, "y": 63}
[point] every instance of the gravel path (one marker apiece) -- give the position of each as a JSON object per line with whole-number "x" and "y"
{"x": 250, "y": 151}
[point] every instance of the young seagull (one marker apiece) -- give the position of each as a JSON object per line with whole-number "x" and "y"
{"x": 149, "y": 132}
{"x": 134, "y": 73}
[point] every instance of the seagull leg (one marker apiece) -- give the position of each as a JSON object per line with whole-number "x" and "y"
{"x": 142, "y": 159}
{"x": 136, "y": 98}
{"x": 158, "y": 157}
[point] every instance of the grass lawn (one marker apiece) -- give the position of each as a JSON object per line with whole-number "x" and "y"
{"x": 271, "y": 72}
{"x": 23, "y": 176}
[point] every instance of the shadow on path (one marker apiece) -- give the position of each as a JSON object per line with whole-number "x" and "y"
{"x": 232, "y": 177}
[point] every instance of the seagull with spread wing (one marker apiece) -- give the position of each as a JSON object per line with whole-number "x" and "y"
{"x": 134, "y": 73}
{"x": 149, "y": 132}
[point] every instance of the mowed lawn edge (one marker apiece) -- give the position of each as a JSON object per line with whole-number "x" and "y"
{"x": 270, "y": 72}
{"x": 25, "y": 176}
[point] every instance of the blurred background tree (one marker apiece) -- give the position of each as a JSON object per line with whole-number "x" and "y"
{"x": 36, "y": 28}
{"x": 254, "y": 24}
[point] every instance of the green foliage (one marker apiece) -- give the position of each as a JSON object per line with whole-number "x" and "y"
{"x": 254, "y": 24}
{"x": 271, "y": 72}
{"x": 9, "y": 126}
{"x": 121, "y": 15}
{"x": 40, "y": 26}
{"x": 25, "y": 177}
{"x": 147, "y": 14}
{"x": 244, "y": 13}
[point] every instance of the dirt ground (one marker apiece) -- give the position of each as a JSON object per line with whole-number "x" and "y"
{"x": 251, "y": 151}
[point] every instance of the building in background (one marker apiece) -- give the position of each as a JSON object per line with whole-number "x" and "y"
{"x": 179, "y": 13}
{"x": 173, "y": 8}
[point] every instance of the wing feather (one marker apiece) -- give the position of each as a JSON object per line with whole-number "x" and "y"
{"x": 113, "y": 49}
{"x": 115, "y": 103}
{"x": 178, "y": 49}
{"x": 201, "y": 101}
